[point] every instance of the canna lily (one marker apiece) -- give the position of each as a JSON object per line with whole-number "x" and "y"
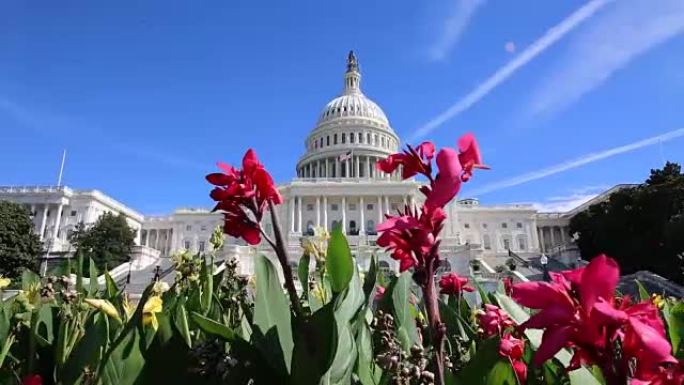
{"x": 243, "y": 195}
{"x": 470, "y": 156}
{"x": 493, "y": 320}
{"x": 4, "y": 282}
{"x": 513, "y": 348}
{"x": 103, "y": 306}
{"x": 32, "y": 379}
{"x": 413, "y": 161}
{"x": 379, "y": 292}
{"x": 453, "y": 284}
{"x": 153, "y": 306}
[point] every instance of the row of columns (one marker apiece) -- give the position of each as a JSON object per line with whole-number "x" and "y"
{"x": 383, "y": 207}
{"x": 44, "y": 221}
{"x": 357, "y": 166}
{"x": 164, "y": 244}
{"x": 552, "y": 238}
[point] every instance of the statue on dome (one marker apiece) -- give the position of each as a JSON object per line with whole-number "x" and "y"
{"x": 352, "y": 63}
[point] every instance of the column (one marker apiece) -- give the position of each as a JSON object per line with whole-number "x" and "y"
{"x": 292, "y": 214}
{"x": 542, "y": 245}
{"x": 553, "y": 241}
{"x": 362, "y": 218}
{"x": 337, "y": 167}
{"x": 43, "y": 222}
{"x": 156, "y": 239}
{"x": 318, "y": 211}
{"x": 344, "y": 215}
{"x": 562, "y": 234}
{"x": 347, "y": 168}
{"x": 357, "y": 166}
{"x": 325, "y": 213}
{"x": 379, "y": 209}
{"x": 58, "y": 218}
{"x": 387, "y": 205}
{"x": 299, "y": 214}
{"x": 318, "y": 168}
{"x": 327, "y": 169}
{"x": 368, "y": 167}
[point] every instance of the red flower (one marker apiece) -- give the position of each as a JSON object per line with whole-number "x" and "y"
{"x": 412, "y": 236}
{"x": 494, "y": 321}
{"x": 513, "y": 349}
{"x": 508, "y": 285}
{"x": 470, "y": 156}
{"x": 379, "y": 292}
{"x": 243, "y": 195}
{"x": 414, "y": 161}
{"x": 453, "y": 284}
{"x": 671, "y": 374}
{"x": 32, "y": 379}
{"x": 448, "y": 181}
{"x": 578, "y": 309}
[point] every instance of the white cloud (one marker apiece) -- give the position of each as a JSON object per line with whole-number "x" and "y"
{"x": 527, "y": 55}
{"x": 577, "y": 162}
{"x": 568, "y": 202}
{"x": 455, "y": 24}
{"x": 608, "y": 44}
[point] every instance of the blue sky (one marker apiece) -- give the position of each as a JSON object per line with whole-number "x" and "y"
{"x": 146, "y": 96}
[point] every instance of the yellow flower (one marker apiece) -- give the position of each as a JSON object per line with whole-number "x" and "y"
{"x": 103, "y": 306}
{"x": 658, "y": 300}
{"x": 4, "y": 282}
{"x": 153, "y": 306}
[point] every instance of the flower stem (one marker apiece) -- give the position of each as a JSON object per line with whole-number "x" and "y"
{"x": 281, "y": 251}
{"x": 438, "y": 328}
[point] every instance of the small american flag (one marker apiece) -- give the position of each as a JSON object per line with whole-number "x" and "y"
{"x": 346, "y": 156}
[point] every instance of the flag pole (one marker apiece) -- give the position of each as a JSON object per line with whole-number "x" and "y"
{"x": 61, "y": 169}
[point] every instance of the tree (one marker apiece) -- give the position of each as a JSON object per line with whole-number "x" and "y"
{"x": 108, "y": 242}
{"x": 641, "y": 227}
{"x": 19, "y": 245}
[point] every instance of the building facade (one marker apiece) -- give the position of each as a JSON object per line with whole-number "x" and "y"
{"x": 336, "y": 183}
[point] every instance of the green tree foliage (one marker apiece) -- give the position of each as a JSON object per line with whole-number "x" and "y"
{"x": 641, "y": 227}
{"x": 108, "y": 242}
{"x": 19, "y": 245}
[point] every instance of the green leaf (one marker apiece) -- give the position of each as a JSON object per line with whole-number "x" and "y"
{"x": 93, "y": 278}
{"x": 643, "y": 293}
{"x": 349, "y": 303}
{"x": 125, "y": 362}
{"x": 368, "y": 372}
{"x": 86, "y": 352}
{"x": 502, "y": 373}
{"x": 401, "y": 296}
{"x": 79, "y": 271}
{"x": 343, "y": 365}
{"x": 29, "y": 279}
{"x": 181, "y": 322}
{"x": 477, "y": 369}
{"x": 315, "y": 346}
{"x": 483, "y": 294}
{"x": 6, "y": 345}
{"x": 674, "y": 317}
{"x": 371, "y": 277}
{"x": 272, "y": 325}
{"x": 303, "y": 273}
{"x": 112, "y": 288}
{"x": 207, "y": 279}
{"x": 214, "y": 328}
{"x": 581, "y": 376}
{"x": 339, "y": 264}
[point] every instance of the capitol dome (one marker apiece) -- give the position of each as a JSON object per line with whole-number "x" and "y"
{"x": 352, "y": 133}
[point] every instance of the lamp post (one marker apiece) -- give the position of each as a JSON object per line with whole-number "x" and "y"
{"x": 544, "y": 260}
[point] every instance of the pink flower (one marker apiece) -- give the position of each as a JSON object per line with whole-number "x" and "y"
{"x": 453, "y": 284}
{"x": 240, "y": 192}
{"x": 379, "y": 293}
{"x": 32, "y": 379}
{"x": 494, "y": 321}
{"x": 414, "y": 161}
{"x": 513, "y": 349}
{"x": 577, "y": 309}
{"x": 470, "y": 156}
{"x": 508, "y": 285}
{"x": 448, "y": 181}
{"x": 411, "y": 237}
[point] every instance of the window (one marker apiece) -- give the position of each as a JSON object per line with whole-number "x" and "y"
{"x": 352, "y": 206}
{"x": 370, "y": 227}
{"x": 309, "y": 228}
{"x": 344, "y": 138}
{"x": 486, "y": 242}
{"x": 327, "y": 140}
{"x": 203, "y": 228}
{"x": 360, "y": 137}
{"x": 333, "y": 207}
{"x": 375, "y": 138}
{"x": 369, "y": 206}
{"x": 368, "y": 138}
{"x": 382, "y": 141}
{"x": 504, "y": 225}
{"x": 187, "y": 245}
{"x": 522, "y": 243}
{"x": 518, "y": 225}
{"x": 351, "y": 137}
{"x": 201, "y": 246}
{"x": 507, "y": 244}
{"x": 484, "y": 225}
{"x": 321, "y": 145}
{"x": 335, "y": 139}
{"x": 309, "y": 207}
{"x": 466, "y": 225}
{"x": 73, "y": 213}
{"x": 188, "y": 228}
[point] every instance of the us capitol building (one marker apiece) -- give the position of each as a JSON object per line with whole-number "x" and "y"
{"x": 336, "y": 183}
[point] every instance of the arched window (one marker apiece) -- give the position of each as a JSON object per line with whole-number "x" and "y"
{"x": 335, "y": 139}
{"x": 506, "y": 241}
{"x": 309, "y": 228}
{"x": 486, "y": 242}
{"x": 344, "y": 138}
{"x": 352, "y": 228}
{"x": 368, "y": 138}
{"x": 351, "y": 137}
{"x": 327, "y": 140}
{"x": 360, "y": 137}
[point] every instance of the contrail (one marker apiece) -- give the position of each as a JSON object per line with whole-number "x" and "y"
{"x": 548, "y": 39}
{"x": 577, "y": 162}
